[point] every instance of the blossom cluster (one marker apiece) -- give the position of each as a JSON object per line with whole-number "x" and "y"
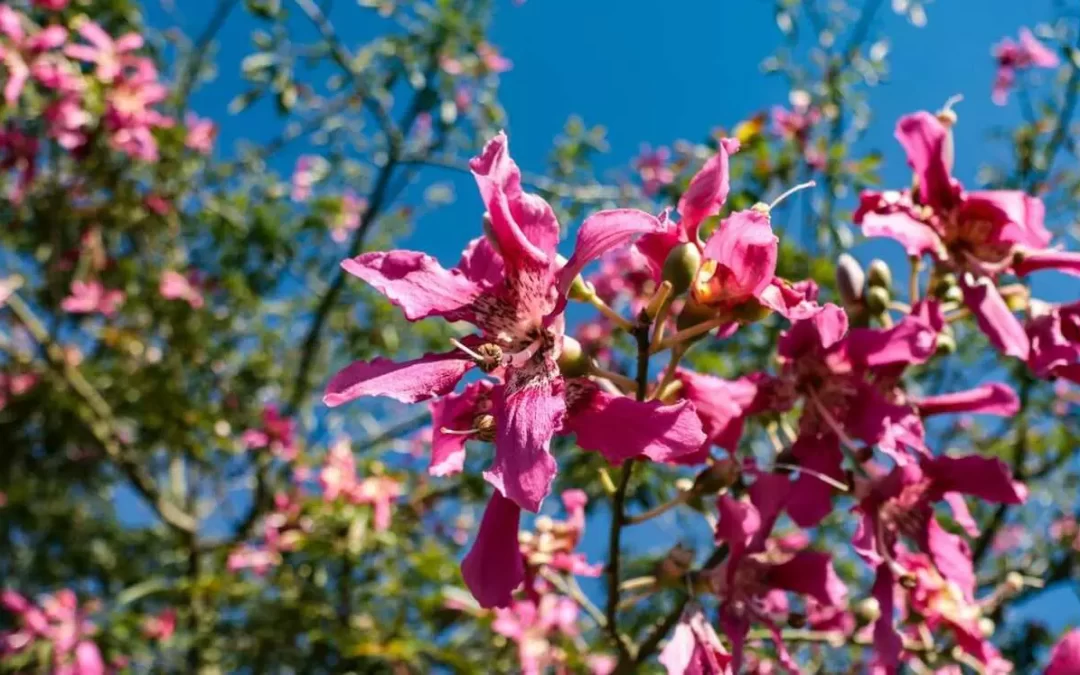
{"x": 840, "y": 370}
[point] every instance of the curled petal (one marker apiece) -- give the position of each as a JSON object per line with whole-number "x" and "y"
{"x": 1016, "y": 217}
{"x": 818, "y": 333}
{"x": 745, "y": 251}
{"x": 1034, "y": 261}
{"x": 984, "y": 477}
{"x": 925, "y": 140}
{"x": 708, "y": 189}
{"x": 721, "y": 404}
{"x": 994, "y": 317}
{"x": 481, "y": 263}
{"x": 910, "y": 341}
{"x": 455, "y": 412}
{"x": 605, "y": 231}
{"x": 892, "y": 215}
{"x": 493, "y": 567}
{"x": 408, "y": 381}
{"x": 794, "y": 302}
{"x": 988, "y": 399}
{"x": 528, "y": 411}
{"x": 415, "y": 282}
{"x": 620, "y": 428}
{"x": 694, "y": 648}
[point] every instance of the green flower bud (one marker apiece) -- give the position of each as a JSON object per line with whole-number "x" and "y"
{"x": 944, "y": 285}
{"x": 878, "y": 274}
{"x": 681, "y": 266}
{"x": 721, "y": 475}
{"x": 573, "y": 362}
{"x": 946, "y": 344}
{"x": 877, "y": 300}
{"x": 850, "y": 279}
{"x": 868, "y": 610}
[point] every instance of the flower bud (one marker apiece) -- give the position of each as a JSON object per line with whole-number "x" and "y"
{"x": 692, "y": 314}
{"x": 796, "y": 620}
{"x": 946, "y": 344}
{"x": 868, "y": 610}
{"x": 944, "y": 284}
{"x": 850, "y": 279}
{"x": 719, "y": 476}
{"x": 750, "y": 311}
{"x": 573, "y": 362}
{"x": 986, "y": 626}
{"x": 1017, "y": 297}
{"x": 580, "y": 290}
{"x": 878, "y": 274}
{"x": 877, "y": 300}
{"x": 1014, "y": 583}
{"x": 681, "y": 266}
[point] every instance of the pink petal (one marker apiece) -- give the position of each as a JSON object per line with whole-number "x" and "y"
{"x": 988, "y": 399}
{"x": 1017, "y": 218}
{"x": 987, "y": 478}
{"x": 810, "y": 573}
{"x": 994, "y": 317}
{"x": 960, "y": 513}
{"x": 816, "y": 334}
{"x": 619, "y": 428}
{"x": 602, "y": 232}
{"x": 88, "y": 659}
{"x": 1065, "y": 657}
{"x": 925, "y": 139}
{"x": 887, "y": 641}
{"x": 739, "y": 522}
{"x": 811, "y": 498}
{"x": 415, "y": 282}
{"x": 1040, "y": 55}
{"x": 721, "y": 404}
{"x": 523, "y": 226}
{"x": 708, "y": 190}
{"x": 455, "y": 412}
{"x": 94, "y": 34}
{"x": 889, "y": 215}
{"x": 482, "y": 264}
{"x": 911, "y": 341}
{"x": 409, "y": 381}
{"x": 129, "y": 42}
{"x": 952, "y": 557}
{"x": 528, "y": 411}
{"x": 745, "y": 249}
{"x": 494, "y": 567}
{"x": 1034, "y": 261}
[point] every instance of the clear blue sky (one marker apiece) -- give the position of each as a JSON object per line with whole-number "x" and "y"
{"x": 655, "y": 76}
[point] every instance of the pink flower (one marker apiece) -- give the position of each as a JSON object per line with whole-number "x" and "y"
{"x": 90, "y": 297}
{"x": 348, "y": 218}
{"x": 176, "y": 286}
{"x": 380, "y": 492}
{"x": 723, "y": 406}
{"x": 1054, "y": 332}
{"x": 338, "y": 476}
{"x": 130, "y": 115}
{"x": 1065, "y": 657}
{"x": 797, "y": 123}
{"x": 18, "y": 152}
{"x": 531, "y": 625}
{"x": 12, "y": 386}
{"x": 58, "y": 622}
{"x": 277, "y": 433}
{"x": 201, "y": 134}
{"x": 257, "y": 559}
{"x": 54, "y": 5}
{"x": 753, "y": 581}
{"x": 109, "y": 56}
{"x": 901, "y": 503}
{"x": 554, "y": 542}
{"x": 494, "y": 566}
{"x": 974, "y": 234}
{"x": 1011, "y": 57}
{"x": 21, "y": 50}
{"x": 160, "y": 627}
{"x": 654, "y": 169}
{"x": 624, "y": 277}
{"x": 304, "y": 177}
{"x": 68, "y": 122}
{"x": 694, "y": 648}
{"x": 492, "y": 60}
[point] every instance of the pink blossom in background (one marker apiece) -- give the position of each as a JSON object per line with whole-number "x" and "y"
{"x": 491, "y": 59}
{"x": 18, "y": 153}
{"x": 90, "y": 297}
{"x": 278, "y": 433}
{"x": 795, "y": 124}
{"x": 380, "y": 492}
{"x": 531, "y": 626}
{"x": 158, "y": 204}
{"x": 160, "y": 627}
{"x": 15, "y": 385}
{"x": 1013, "y": 57}
{"x": 337, "y": 478}
{"x": 694, "y": 648}
{"x": 68, "y": 122}
{"x": 21, "y": 50}
{"x": 451, "y": 65}
{"x": 57, "y": 621}
{"x": 109, "y": 56}
{"x": 303, "y": 178}
{"x": 654, "y": 168}
{"x": 258, "y": 559}
{"x": 176, "y": 286}
{"x": 130, "y": 115}
{"x": 201, "y": 133}
{"x": 348, "y": 219}
{"x": 54, "y": 5}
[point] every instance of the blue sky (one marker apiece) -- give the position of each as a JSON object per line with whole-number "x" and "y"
{"x": 656, "y": 76}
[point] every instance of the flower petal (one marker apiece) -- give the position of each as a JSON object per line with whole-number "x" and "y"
{"x": 745, "y": 250}
{"x": 1065, "y": 657}
{"x": 454, "y": 412}
{"x": 493, "y": 567}
{"x": 482, "y": 264}
{"x": 891, "y": 215}
{"x": 811, "y": 498}
{"x": 925, "y": 140}
{"x": 528, "y": 411}
{"x": 810, "y": 573}
{"x": 721, "y": 404}
{"x": 523, "y": 226}
{"x": 602, "y": 232}
{"x": 994, "y": 317}
{"x": 415, "y": 282}
{"x": 909, "y": 341}
{"x": 815, "y": 334}
{"x": 408, "y": 381}
{"x": 988, "y": 399}
{"x": 620, "y": 428}
{"x": 1034, "y": 261}
{"x": 708, "y": 189}
{"x": 987, "y": 478}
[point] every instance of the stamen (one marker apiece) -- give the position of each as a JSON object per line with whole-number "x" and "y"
{"x": 790, "y": 191}
{"x": 458, "y": 432}
{"x": 521, "y": 358}
{"x": 465, "y": 349}
{"x": 828, "y": 480}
